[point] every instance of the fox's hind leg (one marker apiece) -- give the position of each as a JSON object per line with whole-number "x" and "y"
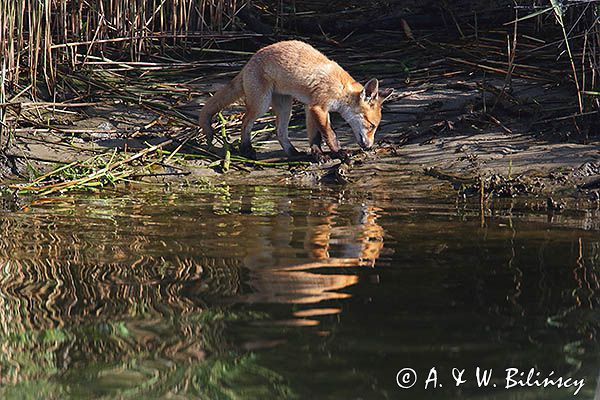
{"x": 258, "y": 98}
{"x": 282, "y": 107}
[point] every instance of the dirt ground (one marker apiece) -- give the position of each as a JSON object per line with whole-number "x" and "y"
{"x": 452, "y": 132}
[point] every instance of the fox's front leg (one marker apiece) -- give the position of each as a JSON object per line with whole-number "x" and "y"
{"x": 323, "y": 124}
{"x": 314, "y": 137}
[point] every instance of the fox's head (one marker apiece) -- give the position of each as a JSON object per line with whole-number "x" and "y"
{"x": 366, "y": 112}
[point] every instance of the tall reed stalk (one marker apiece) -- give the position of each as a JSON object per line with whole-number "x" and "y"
{"x": 578, "y": 41}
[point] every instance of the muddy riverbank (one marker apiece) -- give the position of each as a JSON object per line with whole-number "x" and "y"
{"x": 449, "y": 125}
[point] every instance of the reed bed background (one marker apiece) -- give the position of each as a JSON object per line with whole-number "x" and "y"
{"x": 36, "y": 36}
{"x": 39, "y": 38}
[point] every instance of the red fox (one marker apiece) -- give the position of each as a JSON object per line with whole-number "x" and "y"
{"x": 288, "y": 70}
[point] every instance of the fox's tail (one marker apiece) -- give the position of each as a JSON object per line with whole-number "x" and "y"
{"x": 224, "y": 97}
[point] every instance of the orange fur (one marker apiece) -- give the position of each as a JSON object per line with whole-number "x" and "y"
{"x": 290, "y": 70}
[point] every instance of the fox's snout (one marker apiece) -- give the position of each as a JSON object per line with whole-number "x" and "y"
{"x": 366, "y": 136}
{"x": 366, "y": 144}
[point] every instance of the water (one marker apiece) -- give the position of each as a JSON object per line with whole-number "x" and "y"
{"x": 272, "y": 292}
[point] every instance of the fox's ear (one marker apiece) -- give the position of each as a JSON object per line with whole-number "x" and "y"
{"x": 385, "y": 94}
{"x": 370, "y": 91}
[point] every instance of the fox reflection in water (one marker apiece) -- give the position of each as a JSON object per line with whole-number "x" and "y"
{"x": 330, "y": 243}
{"x": 102, "y": 284}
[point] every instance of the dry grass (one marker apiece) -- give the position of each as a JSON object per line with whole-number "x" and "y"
{"x": 40, "y": 40}
{"x": 36, "y": 36}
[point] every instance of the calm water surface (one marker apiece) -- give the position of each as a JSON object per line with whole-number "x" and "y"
{"x": 277, "y": 293}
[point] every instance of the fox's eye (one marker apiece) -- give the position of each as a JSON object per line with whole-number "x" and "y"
{"x": 373, "y": 126}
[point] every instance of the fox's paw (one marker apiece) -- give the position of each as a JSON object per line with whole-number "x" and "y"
{"x": 248, "y": 152}
{"x": 343, "y": 155}
{"x": 320, "y": 157}
{"x": 293, "y": 153}
{"x": 209, "y": 137}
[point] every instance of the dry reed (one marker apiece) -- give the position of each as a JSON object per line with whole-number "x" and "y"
{"x": 38, "y": 36}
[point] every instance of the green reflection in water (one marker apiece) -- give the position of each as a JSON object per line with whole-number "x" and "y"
{"x": 269, "y": 292}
